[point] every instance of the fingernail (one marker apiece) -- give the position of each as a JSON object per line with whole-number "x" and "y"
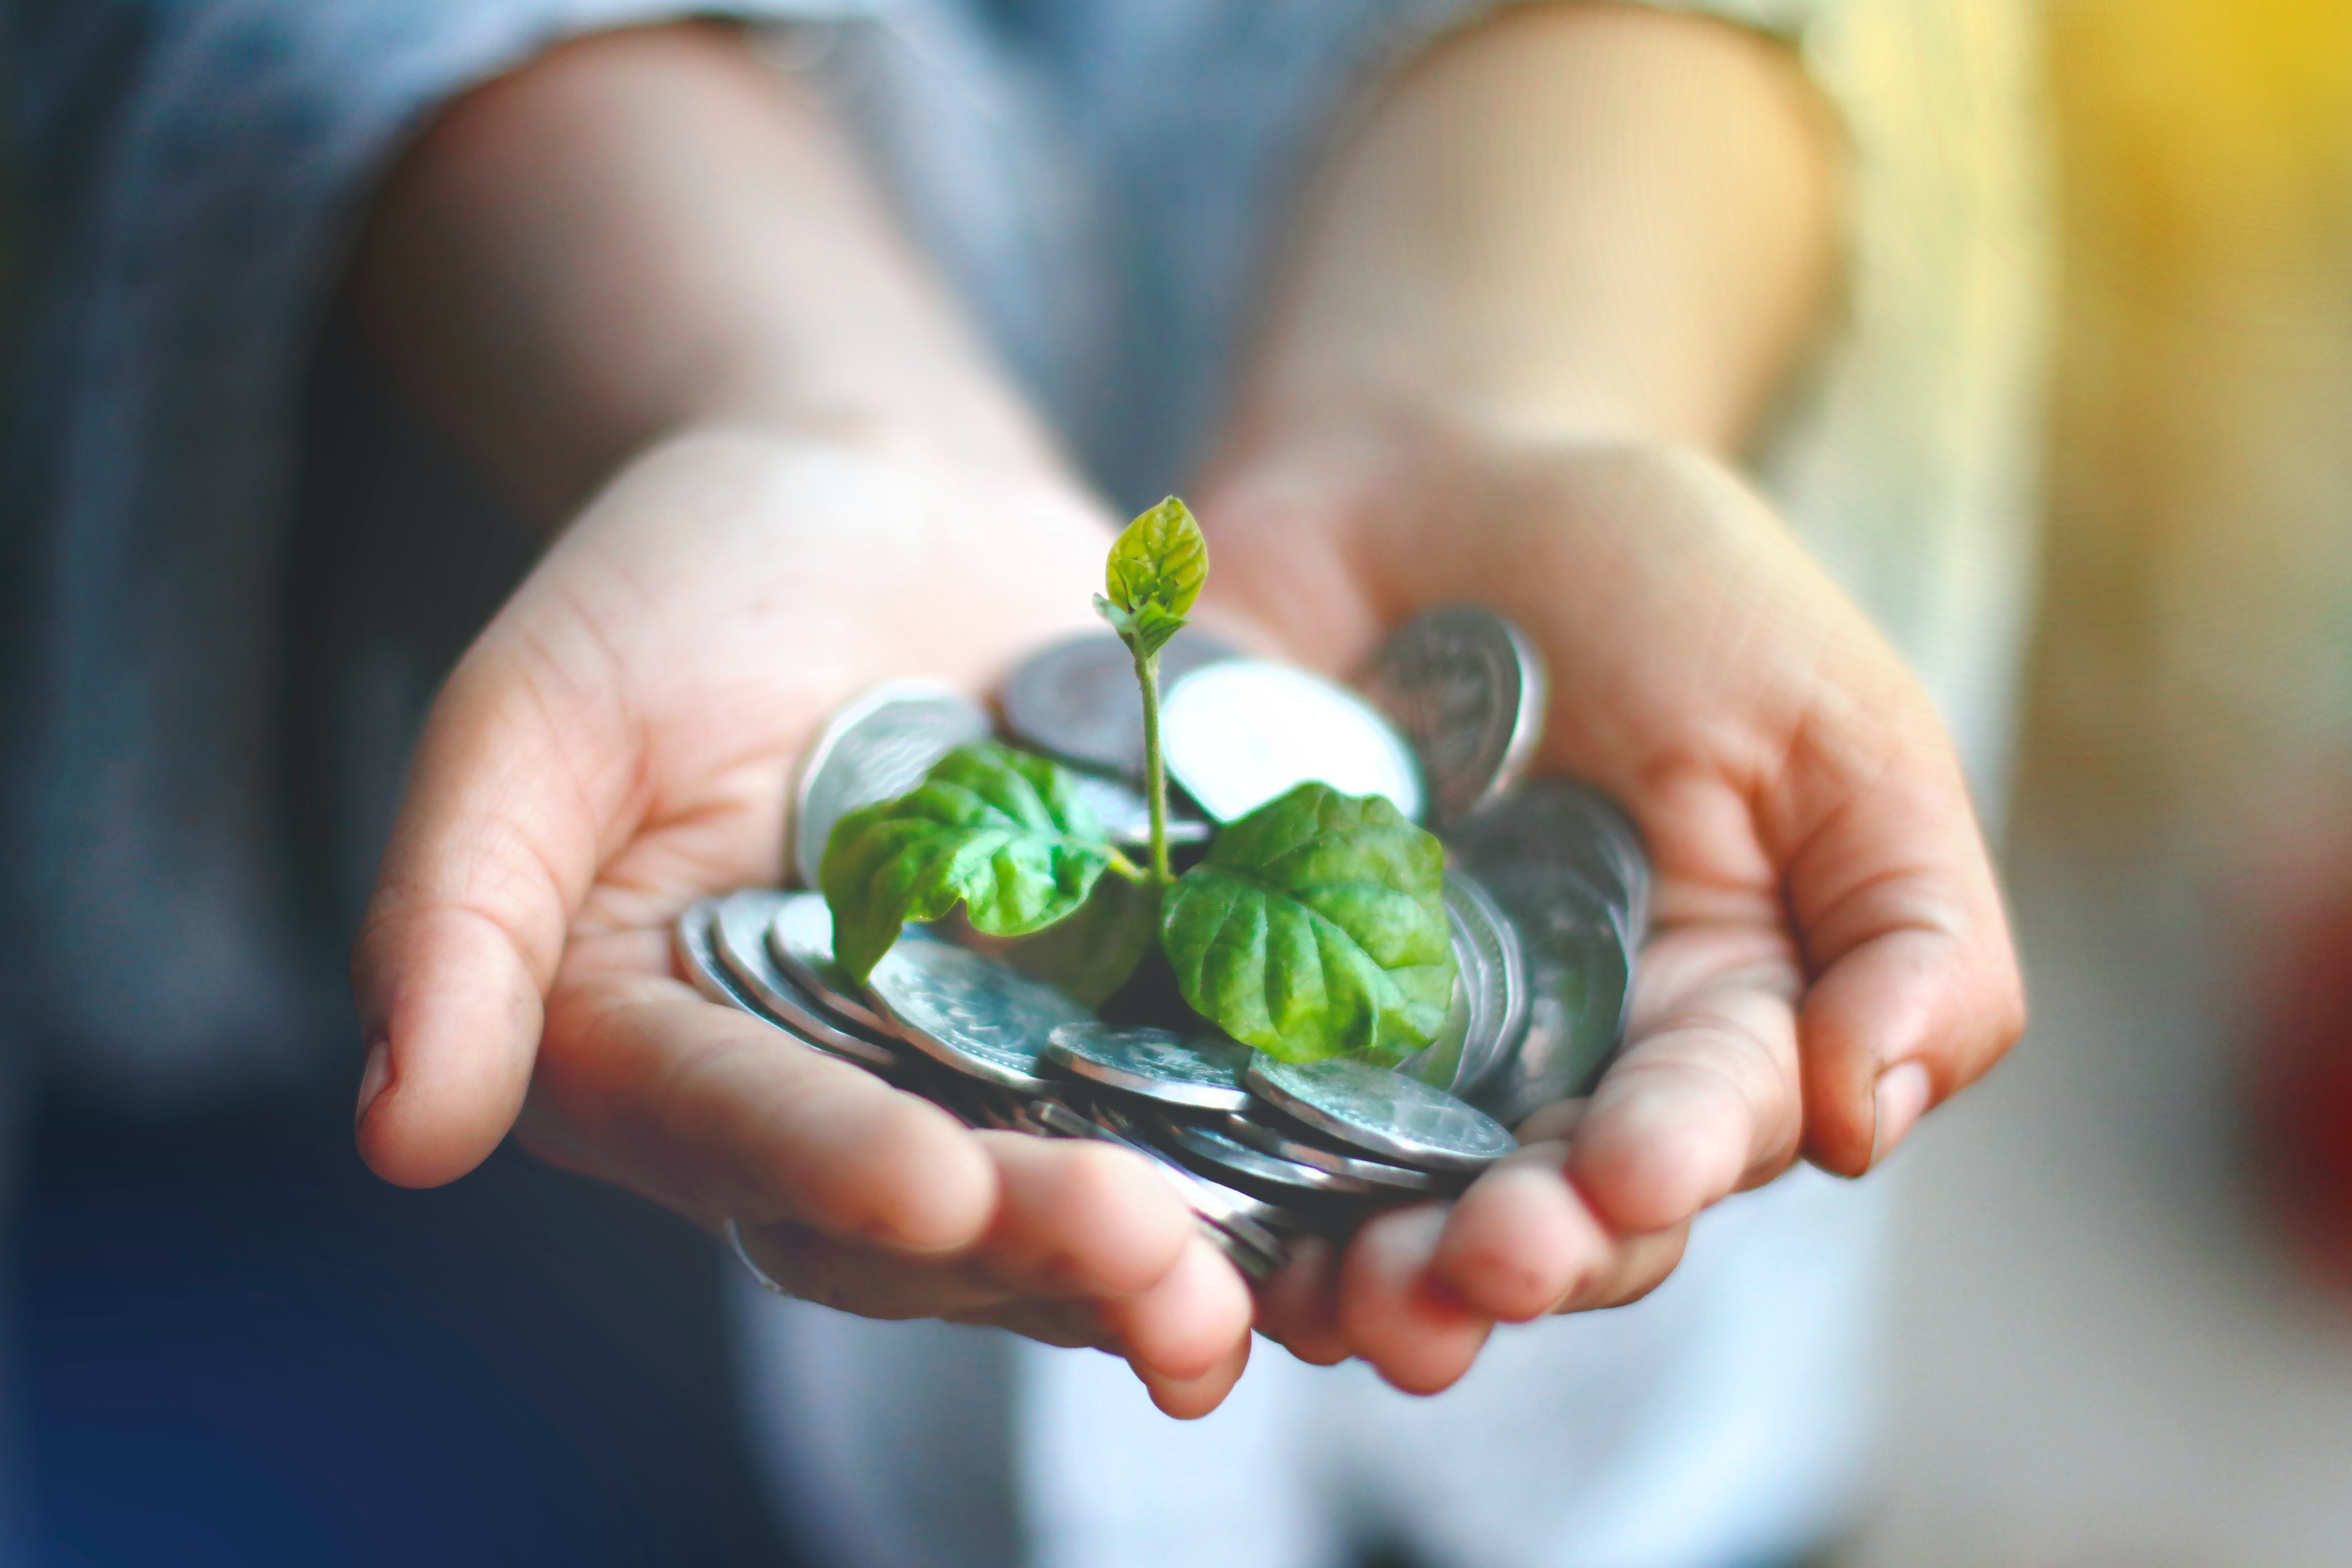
{"x": 371, "y": 1081}
{"x": 1903, "y": 1092}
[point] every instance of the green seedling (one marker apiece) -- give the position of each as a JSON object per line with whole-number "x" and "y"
{"x": 1315, "y": 926}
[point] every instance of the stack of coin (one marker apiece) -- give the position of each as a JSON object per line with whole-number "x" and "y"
{"x": 1547, "y": 892}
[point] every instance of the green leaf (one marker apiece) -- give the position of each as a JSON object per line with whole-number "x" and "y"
{"x": 999, "y": 831}
{"x": 1317, "y": 928}
{"x": 1156, "y": 569}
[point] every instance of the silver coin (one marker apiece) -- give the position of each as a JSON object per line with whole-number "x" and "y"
{"x": 695, "y": 953}
{"x": 1567, "y": 870}
{"x": 875, "y": 748}
{"x": 1259, "y": 1264}
{"x": 981, "y": 1105}
{"x": 800, "y": 938}
{"x": 1200, "y": 1071}
{"x": 1468, "y": 689}
{"x": 1383, "y": 1112}
{"x": 1569, "y": 825}
{"x": 1212, "y": 1147}
{"x": 694, "y": 943}
{"x": 1126, "y": 815}
{"x": 969, "y": 1011}
{"x": 1078, "y": 699}
{"x": 1274, "y": 1140}
{"x": 1489, "y": 1010}
{"x": 738, "y": 933}
{"x": 1239, "y": 733}
{"x": 1488, "y": 945}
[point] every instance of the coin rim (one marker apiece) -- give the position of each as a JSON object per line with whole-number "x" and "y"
{"x": 1194, "y": 1094}
{"x": 1210, "y": 1144}
{"x": 840, "y": 998}
{"x": 1241, "y": 1128}
{"x": 1358, "y": 1136}
{"x": 938, "y": 1050}
{"x": 801, "y": 1013}
{"x": 837, "y": 727}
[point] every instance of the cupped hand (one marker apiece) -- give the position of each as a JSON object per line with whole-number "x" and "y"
{"x": 1828, "y": 956}
{"x": 620, "y": 741}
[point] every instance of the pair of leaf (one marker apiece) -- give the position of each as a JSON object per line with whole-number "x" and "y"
{"x": 1316, "y": 926}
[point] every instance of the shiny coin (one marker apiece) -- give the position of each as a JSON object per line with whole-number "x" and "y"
{"x": 969, "y": 1011}
{"x": 1383, "y": 1112}
{"x": 1560, "y": 861}
{"x": 1564, "y": 823}
{"x": 1126, "y": 815}
{"x": 696, "y": 952}
{"x": 875, "y": 748}
{"x": 1078, "y": 699}
{"x": 800, "y": 938}
{"x": 1495, "y": 969}
{"x": 1301, "y": 1150}
{"x": 1200, "y": 1071}
{"x": 1492, "y": 984}
{"x": 738, "y": 933}
{"x": 1244, "y": 1254}
{"x": 695, "y": 944}
{"x": 1225, "y": 1155}
{"x": 1239, "y": 733}
{"x": 1468, "y": 689}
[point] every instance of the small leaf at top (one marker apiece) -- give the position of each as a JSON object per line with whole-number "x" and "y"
{"x": 1317, "y": 928}
{"x": 999, "y": 831}
{"x": 1156, "y": 569}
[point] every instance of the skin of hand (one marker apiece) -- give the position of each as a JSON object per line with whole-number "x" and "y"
{"x": 782, "y": 472}
{"x": 1541, "y": 295}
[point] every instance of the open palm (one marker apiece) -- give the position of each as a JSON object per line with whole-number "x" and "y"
{"x": 618, "y": 743}
{"x": 1830, "y": 954}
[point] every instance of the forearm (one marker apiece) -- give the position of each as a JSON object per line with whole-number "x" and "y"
{"x": 644, "y": 231}
{"x": 1580, "y": 220}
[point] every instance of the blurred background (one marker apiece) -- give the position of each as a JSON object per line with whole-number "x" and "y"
{"x": 2124, "y": 1281}
{"x": 2123, "y": 1328}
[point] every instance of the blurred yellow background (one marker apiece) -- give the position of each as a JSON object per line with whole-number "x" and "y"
{"x": 2106, "y": 1351}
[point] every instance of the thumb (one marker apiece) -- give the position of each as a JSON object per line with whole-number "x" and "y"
{"x": 1916, "y": 989}
{"x": 497, "y": 840}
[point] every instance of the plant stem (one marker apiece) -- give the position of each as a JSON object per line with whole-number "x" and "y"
{"x": 1155, "y": 766}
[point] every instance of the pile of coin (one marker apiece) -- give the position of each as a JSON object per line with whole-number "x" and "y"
{"x": 1547, "y": 892}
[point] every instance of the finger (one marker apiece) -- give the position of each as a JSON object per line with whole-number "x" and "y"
{"x": 1070, "y": 1325}
{"x": 871, "y": 1282}
{"x": 1892, "y": 890}
{"x": 1298, "y": 1306}
{"x": 1079, "y": 1218}
{"x": 1522, "y": 1239}
{"x": 1072, "y": 1220}
{"x": 1707, "y": 1101}
{"x": 1636, "y": 1265}
{"x": 496, "y": 841}
{"x": 1416, "y": 1333}
{"x": 1189, "y": 1399}
{"x": 1186, "y": 1325}
{"x": 718, "y": 1114}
